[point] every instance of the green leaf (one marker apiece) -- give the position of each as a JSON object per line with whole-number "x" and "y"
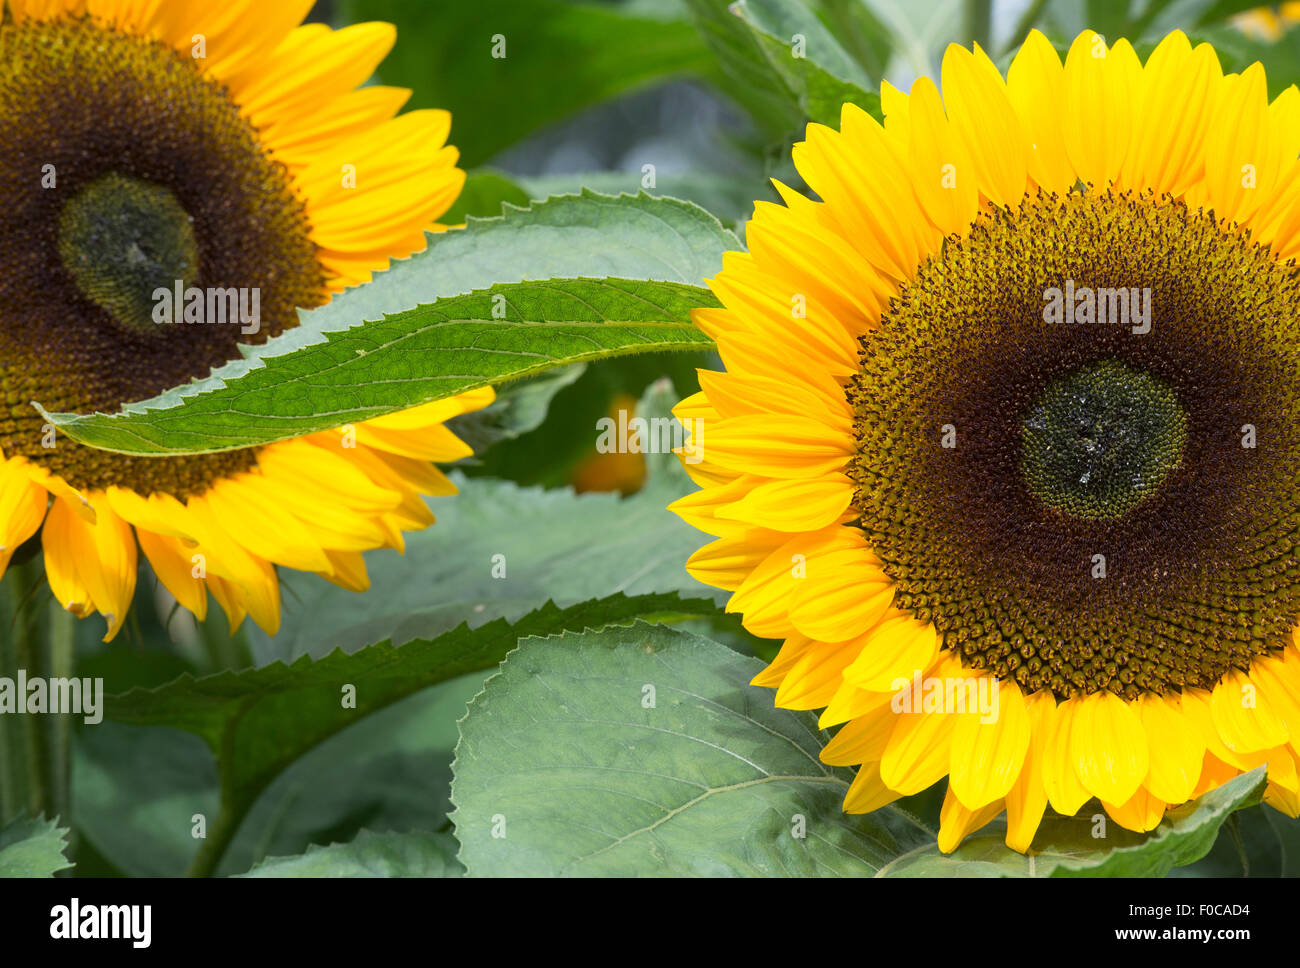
{"x": 258, "y": 721}
{"x": 137, "y": 790}
{"x": 1237, "y": 51}
{"x": 782, "y": 84}
{"x": 1214, "y": 11}
{"x": 370, "y": 855}
{"x": 730, "y": 196}
{"x": 559, "y": 57}
{"x": 644, "y": 751}
{"x": 1257, "y": 841}
{"x": 32, "y": 848}
{"x": 368, "y": 352}
{"x": 1066, "y": 847}
{"x": 412, "y": 358}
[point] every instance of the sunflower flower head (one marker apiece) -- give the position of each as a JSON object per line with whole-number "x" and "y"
{"x": 156, "y": 148}
{"x": 1005, "y": 447}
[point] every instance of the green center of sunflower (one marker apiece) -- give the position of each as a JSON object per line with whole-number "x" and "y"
{"x": 1085, "y": 501}
{"x": 1101, "y": 439}
{"x": 125, "y": 169}
{"x": 123, "y": 239}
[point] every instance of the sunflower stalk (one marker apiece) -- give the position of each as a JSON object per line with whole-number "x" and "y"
{"x": 214, "y": 845}
{"x": 979, "y": 21}
{"x": 34, "y": 760}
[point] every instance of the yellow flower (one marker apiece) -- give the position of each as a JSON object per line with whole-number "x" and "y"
{"x": 159, "y": 147}
{"x": 1269, "y": 23}
{"x": 1015, "y": 403}
{"x": 621, "y": 469}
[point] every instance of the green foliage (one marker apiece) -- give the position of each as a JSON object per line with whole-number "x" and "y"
{"x": 485, "y": 194}
{"x": 783, "y": 82}
{"x": 558, "y": 58}
{"x": 575, "y": 549}
{"x": 415, "y": 357}
{"x": 370, "y": 855}
{"x": 657, "y": 758}
{"x": 32, "y": 848}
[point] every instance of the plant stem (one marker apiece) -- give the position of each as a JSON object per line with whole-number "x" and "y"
{"x": 13, "y": 753}
{"x": 61, "y": 659}
{"x": 1026, "y": 23}
{"x": 979, "y": 21}
{"x": 214, "y": 845}
{"x": 24, "y": 781}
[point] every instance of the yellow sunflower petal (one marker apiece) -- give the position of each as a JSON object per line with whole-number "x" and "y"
{"x": 988, "y": 750}
{"x": 1027, "y": 798}
{"x": 22, "y": 509}
{"x": 1109, "y": 747}
{"x": 957, "y": 821}
{"x": 1244, "y": 717}
{"x": 977, "y": 103}
{"x": 1035, "y": 86}
{"x": 1176, "y": 768}
{"x": 1140, "y": 813}
{"x": 898, "y": 647}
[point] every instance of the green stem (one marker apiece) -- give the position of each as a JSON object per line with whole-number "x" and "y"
{"x": 34, "y": 759}
{"x": 25, "y": 779}
{"x": 223, "y": 649}
{"x": 1026, "y": 23}
{"x": 61, "y": 657}
{"x": 13, "y": 751}
{"x": 979, "y": 21}
{"x": 214, "y": 845}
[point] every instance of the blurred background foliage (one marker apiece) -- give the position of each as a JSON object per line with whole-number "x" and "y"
{"x": 697, "y": 99}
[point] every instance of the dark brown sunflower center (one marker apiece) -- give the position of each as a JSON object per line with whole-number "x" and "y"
{"x": 1077, "y": 450}
{"x": 131, "y": 191}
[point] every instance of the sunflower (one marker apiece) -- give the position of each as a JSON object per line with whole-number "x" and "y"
{"x": 1269, "y": 23}
{"x": 1006, "y": 445}
{"x": 159, "y": 146}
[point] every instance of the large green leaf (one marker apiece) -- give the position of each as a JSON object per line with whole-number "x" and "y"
{"x": 411, "y": 358}
{"x": 728, "y": 195}
{"x": 644, "y": 751}
{"x": 1257, "y": 841}
{"x": 390, "y": 771}
{"x": 258, "y": 721}
{"x": 418, "y": 332}
{"x": 785, "y": 65}
{"x": 32, "y": 848}
{"x": 370, "y": 854}
{"x": 559, "y": 57}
